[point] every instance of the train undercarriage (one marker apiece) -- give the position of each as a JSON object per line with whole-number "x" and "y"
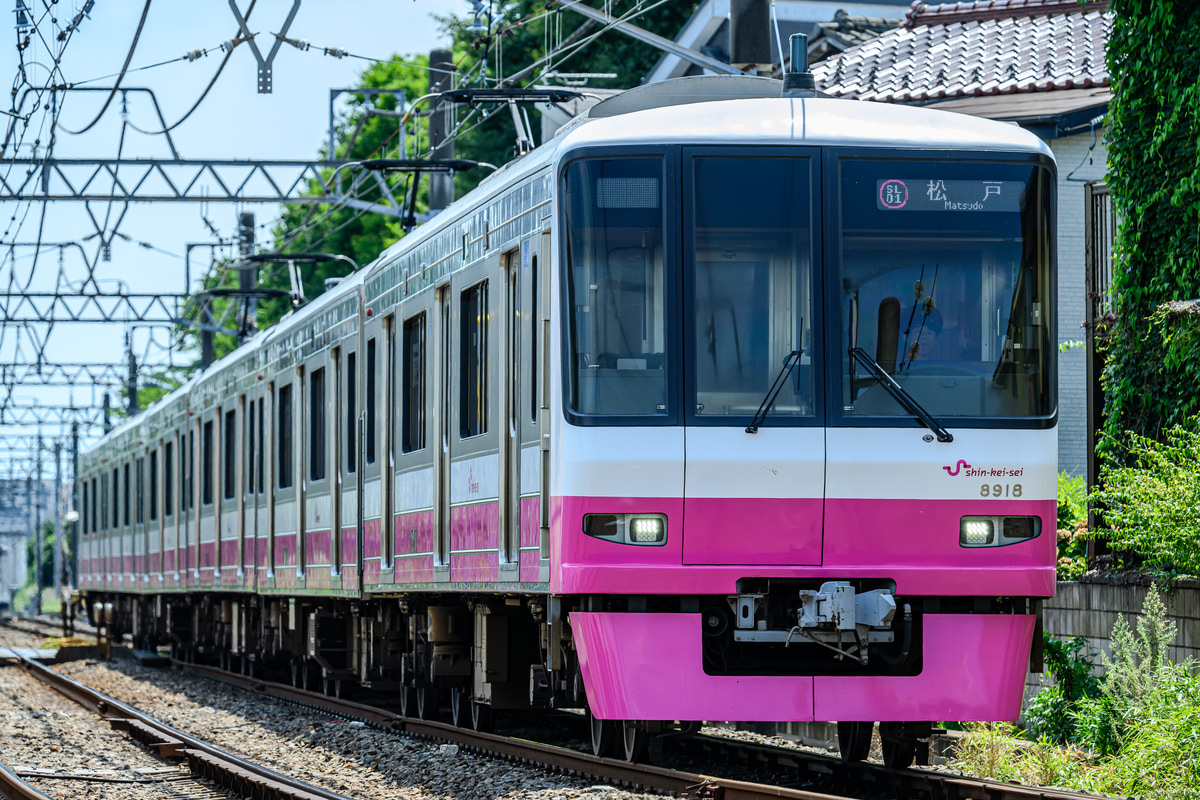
{"x": 457, "y": 656}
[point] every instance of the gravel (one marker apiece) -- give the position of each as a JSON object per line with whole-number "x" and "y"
{"x": 346, "y": 757}
{"x": 43, "y": 732}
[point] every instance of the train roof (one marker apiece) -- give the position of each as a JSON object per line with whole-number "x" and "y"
{"x": 802, "y": 121}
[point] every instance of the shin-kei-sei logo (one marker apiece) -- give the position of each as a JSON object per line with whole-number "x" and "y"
{"x": 957, "y": 468}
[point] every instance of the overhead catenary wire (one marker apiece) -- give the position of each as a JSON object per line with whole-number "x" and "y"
{"x": 117, "y": 85}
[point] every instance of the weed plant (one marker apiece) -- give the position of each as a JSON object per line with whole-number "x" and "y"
{"x": 1133, "y": 732}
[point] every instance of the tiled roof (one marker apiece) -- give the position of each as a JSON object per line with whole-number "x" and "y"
{"x": 849, "y": 30}
{"x": 974, "y": 49}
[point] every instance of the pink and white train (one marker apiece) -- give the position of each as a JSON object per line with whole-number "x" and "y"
{"x": 719, "y": 405}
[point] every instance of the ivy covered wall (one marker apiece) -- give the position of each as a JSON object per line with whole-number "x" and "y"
{"x": 1152, "y": 376}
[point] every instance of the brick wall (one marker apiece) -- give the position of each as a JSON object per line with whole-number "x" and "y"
{"x": 1090, "y": 610}
{"x": 1071, "y": 153}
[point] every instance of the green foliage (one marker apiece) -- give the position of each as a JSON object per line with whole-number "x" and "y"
{"x": 1152, "y": 375}
{"x": 1072, "y": 527}
{"x": 47, "y": 558}
{"x": 1150, "y": 503}
{"x": 521, "y": 34}
{"x": 1050, "y": 715}
{"x": 1139, "y": 735}
{"x": 1072, "y": 500}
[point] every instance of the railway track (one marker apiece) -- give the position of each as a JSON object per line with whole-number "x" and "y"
{"x": 228, "y": 771}
{"x": 861, "y": 779}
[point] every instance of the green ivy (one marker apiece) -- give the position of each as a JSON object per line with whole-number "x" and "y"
{"x": 1151, "y": 378}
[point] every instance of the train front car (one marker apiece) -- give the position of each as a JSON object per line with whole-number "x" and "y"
{"x": 805, "y": 466}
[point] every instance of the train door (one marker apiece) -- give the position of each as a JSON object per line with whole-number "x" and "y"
{"x": 348, "y": 462}
{"x": 371, "y": 529}
{"x": 169, "y": 517}
{"x": 415, "y": 461}
{"x": 333, "y": 388}
{"x": 755, "y": 446}
{"x": 509, "y": 384}
{"x": 229, "y": 510}
{"x": 388, "y": 438}
{"x": 442, "y": 427}
{"x": 529, "y": 373}
{"x": 247, "y": 547}
{"x": 318, "y": 524}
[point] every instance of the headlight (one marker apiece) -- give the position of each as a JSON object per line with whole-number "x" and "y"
{"x": 642, "y": 529}
{"x": 997, "y": 531}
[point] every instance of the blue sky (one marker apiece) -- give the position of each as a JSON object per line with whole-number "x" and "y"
{"x": 234, "y": 121}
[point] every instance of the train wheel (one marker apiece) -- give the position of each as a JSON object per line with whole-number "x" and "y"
{"x": 854, "y": 740}
{"x": 427, "y": 702}
{"x": 899, "y": 750}
{"x": 481, "y": 717}
{"x": 605, "y": 733}
{"x": 636, "y": 739}
{"x": 408, "y": 701}
{"x": 460, "y": 707}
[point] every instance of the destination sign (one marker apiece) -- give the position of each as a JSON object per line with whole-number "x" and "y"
{"x": 932, "y": 194}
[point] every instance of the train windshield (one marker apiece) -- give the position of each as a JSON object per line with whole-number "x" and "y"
{"x": 616, "y": 286}
{"x": 748, "y": 271}
{"x": 945, "y": 283}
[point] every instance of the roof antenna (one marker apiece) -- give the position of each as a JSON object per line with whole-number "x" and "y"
{"x": 798, "y": 81}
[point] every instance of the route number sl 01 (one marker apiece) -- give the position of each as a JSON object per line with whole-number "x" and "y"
{"x": 1000, "y": 490}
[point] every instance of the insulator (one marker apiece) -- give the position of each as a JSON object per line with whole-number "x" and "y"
{"x": 192, "y": 55}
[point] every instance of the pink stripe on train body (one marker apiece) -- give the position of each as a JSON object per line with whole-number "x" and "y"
{"x": 414, "y": 533}
{"x": 475, "y": 527}
{"x": 318, "y": 547}
{"x": 863, "y": 539}
{"x": 974, "y": 669}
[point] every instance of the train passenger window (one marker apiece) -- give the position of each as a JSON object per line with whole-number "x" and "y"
{"x": 183, "y": 472}
{"x": 617, "y": 287}
{"x": 140, "y": 469}
{"x": 284, "y": 436}
{"x": 261, "y": 438}
{"x": 946, "y": 283}
{"x": 191, "y": 470}
{"x": 749, "y": 268}
{"x": 125, "y": 504}
{"x": 414, "y": 384}
{"x": 229, "y": 456}
{"x": 154, "y": 484}
{"x": 206, "y": 464}
{"x": 250, "y": 445}
{"x": 86, "y": 515}
{"x": 371, "y": 401}
{"x": 351, "y": 412}
{"x": 473, "y": 361}
{"x": 168, "y": 478}
{"x": 316, "y": 425}
{"x": 535, "y": 293}
{"x": 116, "y": 507}
{"x": 95, "y": 506}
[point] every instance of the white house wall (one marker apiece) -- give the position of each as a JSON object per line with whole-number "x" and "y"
{"x": 1071, "y": 152}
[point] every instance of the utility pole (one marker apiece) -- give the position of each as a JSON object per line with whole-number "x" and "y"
{"x": 207, "y": 324}
{"x": 441, "y": 121}
{"x": 247, "y": 275}
{"x": 75, "y": 501}
{"x": 37, "y": 534}
{"x": 58, "y": 518}
{"x": 131, "y": 392}
{"x": 29, "y": 516}
{"x": 750, "y": 35}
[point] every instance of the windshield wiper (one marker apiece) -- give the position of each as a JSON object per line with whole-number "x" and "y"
{"x": 902, "y": 397}
{"x": 789, "y": 364}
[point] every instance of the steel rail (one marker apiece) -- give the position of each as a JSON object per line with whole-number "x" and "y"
{"x": 231, "y": 772}
{"x": 13, "y": 788}
{"x": 800, "y": 764}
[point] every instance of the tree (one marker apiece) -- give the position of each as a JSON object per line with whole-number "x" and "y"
{"x": 1152, "y": 373}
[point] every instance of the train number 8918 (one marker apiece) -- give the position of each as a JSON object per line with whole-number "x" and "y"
{"x": 1000, "y": 490}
